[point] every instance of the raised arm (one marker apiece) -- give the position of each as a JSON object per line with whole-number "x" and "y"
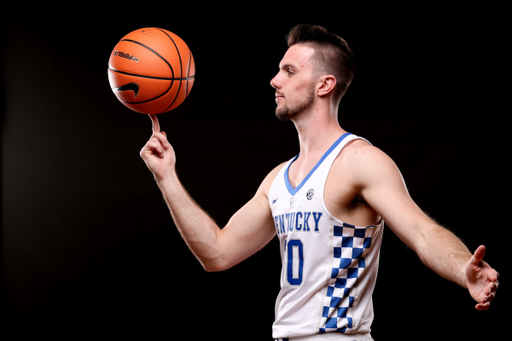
{"x": 217, "y": 249}
{"x": 382, "y": 186}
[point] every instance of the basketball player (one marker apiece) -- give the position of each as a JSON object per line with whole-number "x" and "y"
{"x": 327, "y": 206}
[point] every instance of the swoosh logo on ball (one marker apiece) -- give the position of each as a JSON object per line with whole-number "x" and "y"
{"x": 130, "y": 86}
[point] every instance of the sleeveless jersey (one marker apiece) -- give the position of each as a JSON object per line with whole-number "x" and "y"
{"x": 329, "y": 267}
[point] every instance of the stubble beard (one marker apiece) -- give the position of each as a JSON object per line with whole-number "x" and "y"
{"x": 287, "y": 113}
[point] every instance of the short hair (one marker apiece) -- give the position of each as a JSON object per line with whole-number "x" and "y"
{"x": 332, "y": 55}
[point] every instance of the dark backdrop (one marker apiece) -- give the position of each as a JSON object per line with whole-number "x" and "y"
{"x": 88, "y": 247}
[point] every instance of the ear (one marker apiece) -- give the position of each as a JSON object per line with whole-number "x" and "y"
{"x": 326, "y": 85}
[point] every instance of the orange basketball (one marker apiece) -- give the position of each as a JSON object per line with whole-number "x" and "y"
{"x": 151, "y": 70}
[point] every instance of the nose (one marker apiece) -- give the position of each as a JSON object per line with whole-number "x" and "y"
{"x": 274, "y": 82}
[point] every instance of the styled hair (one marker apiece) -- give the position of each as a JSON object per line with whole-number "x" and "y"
{"x": 332, "y": 55}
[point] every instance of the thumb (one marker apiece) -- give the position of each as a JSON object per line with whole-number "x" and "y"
{"x": 478, "y": 255}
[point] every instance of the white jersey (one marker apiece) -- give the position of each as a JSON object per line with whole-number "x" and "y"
{"x": 329, "y": 267}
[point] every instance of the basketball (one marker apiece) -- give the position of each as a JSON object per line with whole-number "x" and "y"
{"x": 151, "y": 70}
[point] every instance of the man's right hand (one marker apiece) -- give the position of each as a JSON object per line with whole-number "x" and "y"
{"x": 158, "y": 153}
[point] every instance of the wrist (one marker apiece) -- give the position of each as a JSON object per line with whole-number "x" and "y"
{"x": 167, "y": 177}
{"x": 464, "y": 278}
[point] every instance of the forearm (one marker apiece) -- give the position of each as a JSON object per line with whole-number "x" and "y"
{"x": 247, "y": 231}
{"x": 196, "y": 227}
{"x": 444, "y": 253}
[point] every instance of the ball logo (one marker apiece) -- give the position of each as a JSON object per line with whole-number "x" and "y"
{"x": 310, "y": 194}
{"x": 130, "y": 86}
{"x": 126, "y": 56}
{"x": 148, "y": 32}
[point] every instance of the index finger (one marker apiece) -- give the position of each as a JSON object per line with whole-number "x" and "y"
{"x": 156, "y": 124}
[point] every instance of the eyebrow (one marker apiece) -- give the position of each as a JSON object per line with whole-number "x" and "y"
{"x": 287, "y": 66}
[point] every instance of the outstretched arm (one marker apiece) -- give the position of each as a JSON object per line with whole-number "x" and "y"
{"x": 217, "y": 249}
{"x": 383, "y": 187}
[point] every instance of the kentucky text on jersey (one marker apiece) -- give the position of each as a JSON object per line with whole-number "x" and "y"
{"x": 299, "y": 221}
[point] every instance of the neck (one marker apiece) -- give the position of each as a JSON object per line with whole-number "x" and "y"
{"x": 317, "y": 131}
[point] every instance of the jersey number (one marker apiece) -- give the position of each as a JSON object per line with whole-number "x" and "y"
{"x": 295, "y": 252}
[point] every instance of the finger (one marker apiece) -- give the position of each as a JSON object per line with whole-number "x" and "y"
{"x": 490, "y": 293}
{"x": 151, "y": 149}
{"x": 156, "y": 124}
{"x": 478, "y": 255}
{"x": 483, "y": 306}
{"x": 494, "y": 287}
{"x": 162, "y": 138}
{"x": 154, "y": 147}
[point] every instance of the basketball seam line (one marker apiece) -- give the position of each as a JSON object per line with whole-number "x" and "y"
{"x": 161, "y": 78}
{"x": 156, "y": 53}
{"x": 181, "y": 69}
{"x": 152, "y": 99}
{"x": 188, "y": 70}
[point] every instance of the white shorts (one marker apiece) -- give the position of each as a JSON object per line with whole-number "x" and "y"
{"x": 330, "y": 337}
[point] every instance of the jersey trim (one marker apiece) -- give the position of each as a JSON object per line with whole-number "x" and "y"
{"x": 294, "y": 191}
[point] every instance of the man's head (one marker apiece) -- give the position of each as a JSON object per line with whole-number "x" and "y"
{"x": 332, "y": 55}
{"x": 294, "y": 83}
{"x": 317, "y": 63}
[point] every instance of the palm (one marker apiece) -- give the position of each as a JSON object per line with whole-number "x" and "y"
{"x": 482, "y": 280}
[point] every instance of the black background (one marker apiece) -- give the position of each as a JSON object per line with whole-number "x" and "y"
{"x": 88, "y": 247}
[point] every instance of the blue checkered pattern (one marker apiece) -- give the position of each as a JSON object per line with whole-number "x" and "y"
{"x": 351, "y": 244}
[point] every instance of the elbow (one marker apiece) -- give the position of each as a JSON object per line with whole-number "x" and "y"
{"x": 215, "y": 265}
{"x": 210, "y": 267}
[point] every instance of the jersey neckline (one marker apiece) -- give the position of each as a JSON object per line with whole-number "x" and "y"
{"x": 289, "y": 186}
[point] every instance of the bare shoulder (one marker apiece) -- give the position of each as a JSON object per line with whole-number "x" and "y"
{"x": 269, "y": 179}
{"x": 366, "y": 162}
{"x": 362, "y": 150}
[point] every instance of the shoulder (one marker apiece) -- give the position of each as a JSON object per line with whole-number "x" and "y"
{"x": 360, "y": 152}
{"x": 365, "y": 162}
{"x": 269, "y": 179}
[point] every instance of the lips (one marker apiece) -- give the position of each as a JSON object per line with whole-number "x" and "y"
{"x": 279, "y": 96}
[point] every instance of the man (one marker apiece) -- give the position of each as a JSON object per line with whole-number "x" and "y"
{"x": 327, "y": 206}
